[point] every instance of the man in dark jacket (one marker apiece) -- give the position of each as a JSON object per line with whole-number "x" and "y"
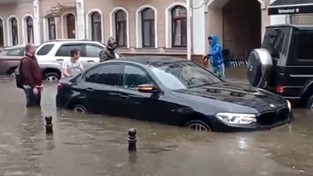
{"x": 108, "y": 52}
{"x": 31, "y": 76}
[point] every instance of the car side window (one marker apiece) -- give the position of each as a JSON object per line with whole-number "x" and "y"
{"x": 65, "y": 50}
{"x": 16, "y": 52}
{"x": 45, "y": 49}
{"x": 134, "y": 76}
{"x": 93, "y": 50}
{"x": 304, "y": 40}
{"x": 107, "y": 75}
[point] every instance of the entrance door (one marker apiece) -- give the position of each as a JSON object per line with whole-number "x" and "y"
{"x": 71, "y": 32}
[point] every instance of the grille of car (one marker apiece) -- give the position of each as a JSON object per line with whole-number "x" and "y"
{"x": 273, "y": 117}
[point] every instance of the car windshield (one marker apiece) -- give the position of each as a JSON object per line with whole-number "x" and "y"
{"x": 183, "y": 75}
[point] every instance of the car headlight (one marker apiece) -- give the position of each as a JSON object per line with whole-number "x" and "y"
{"x": 289, "y": 105}
{"x": 236, "y": 118}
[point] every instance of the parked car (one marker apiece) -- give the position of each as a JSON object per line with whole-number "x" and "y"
{"x": 59, "y": 50}
{"x": 10, "y": 58}
{"x": 172, "y": 91}
{"x": 284, "y": 64}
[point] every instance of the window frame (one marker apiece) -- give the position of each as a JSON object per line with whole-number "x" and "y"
{"x": 174, "y": 21}
{"x": 152, "y": 29}
{"x": 93, "y": 24}
{"x": 30, "y": 29}
{"x": 12, "y": 29}
{"x": 122, "y": 66}
{"x": 51, "y": 23}
{"x": 119, "y": 23}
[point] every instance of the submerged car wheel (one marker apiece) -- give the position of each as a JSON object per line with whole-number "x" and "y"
{"x": 310, "y": 103}
{"x": 52, "y": 77}
{"x": 80, "y": 109}
{"x": 199, "y": 126}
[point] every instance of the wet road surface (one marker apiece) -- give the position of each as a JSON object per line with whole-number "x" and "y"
{"x": 97, "y": 145}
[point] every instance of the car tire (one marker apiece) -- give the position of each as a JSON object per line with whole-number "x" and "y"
{"x": 198, "y": 125}
{"x": 80, "y": 109}
{"x": 52, "y": 77}
{"x": 309, "y": 103}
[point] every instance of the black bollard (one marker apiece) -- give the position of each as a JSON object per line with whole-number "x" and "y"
{"x": 132, "y": 139}
{"x": 49, "y": 125}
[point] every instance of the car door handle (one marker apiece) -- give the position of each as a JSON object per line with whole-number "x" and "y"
{"x": 90, "y": 61}
{"x": 60, "y": 59}
{"x": 124, "y": 96}
{"x": 89, "y": 89}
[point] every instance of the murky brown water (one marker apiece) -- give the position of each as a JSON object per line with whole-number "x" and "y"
{"x": 97, "y": 145}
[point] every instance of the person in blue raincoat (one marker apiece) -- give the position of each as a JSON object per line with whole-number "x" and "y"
{"x": 216, "y": 57}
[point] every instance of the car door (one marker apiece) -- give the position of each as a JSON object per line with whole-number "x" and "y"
{"x": 101, "y": 88}
{"x": 91, "y": 54}
{"x": 135, "y": 104}
{"x": 64, "y": 52}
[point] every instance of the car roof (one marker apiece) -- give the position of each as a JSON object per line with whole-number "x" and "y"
{"x": 150, "y": 60}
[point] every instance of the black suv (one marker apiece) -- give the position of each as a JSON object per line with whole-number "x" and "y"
{"x": 284, "y": 63}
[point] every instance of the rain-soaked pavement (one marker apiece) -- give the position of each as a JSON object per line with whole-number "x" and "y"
{"x": 97, "y": 145}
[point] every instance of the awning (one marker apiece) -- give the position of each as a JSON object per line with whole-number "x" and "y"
{"x": 287, "y": 7}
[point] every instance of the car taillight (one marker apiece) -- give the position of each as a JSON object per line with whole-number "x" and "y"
{"x": 280, "y": 89}
{"x": 60, "y": 86}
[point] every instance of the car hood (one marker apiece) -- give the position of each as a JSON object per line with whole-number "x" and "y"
{"x": 239, "y": 94}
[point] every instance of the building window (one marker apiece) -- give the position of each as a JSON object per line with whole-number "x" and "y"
{"x": 14, "y": 31}
{"x": 120, "y": 28}
{"x": 30, "y": 30}
{"x": 1, "y": 33}
{"x": 96, "y": 29}
{"x": 148, "y": 32}
{"x": 51, "y": 28}
{"x": 179, "y": 26}
{"x": 71, "y": 26}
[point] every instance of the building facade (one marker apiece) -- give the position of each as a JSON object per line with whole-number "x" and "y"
{"x": 140, "y": 26}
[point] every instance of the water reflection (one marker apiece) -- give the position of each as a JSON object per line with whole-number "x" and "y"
{"x": 97, "y": 145}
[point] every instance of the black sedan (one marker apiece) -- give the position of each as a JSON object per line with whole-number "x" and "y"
{"x": 173, "y": 91}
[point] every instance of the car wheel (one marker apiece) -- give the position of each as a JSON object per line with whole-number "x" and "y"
{"x": 309, "y": 103}
{"x": 199, "y": 126}
{"x": 52, "y": 77}
{"x": 80, "y": 109}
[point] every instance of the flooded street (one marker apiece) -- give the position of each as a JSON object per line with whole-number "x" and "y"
{"x": 97, "y": 145}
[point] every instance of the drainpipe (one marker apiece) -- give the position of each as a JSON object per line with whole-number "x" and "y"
{"x": 189, "y": 30}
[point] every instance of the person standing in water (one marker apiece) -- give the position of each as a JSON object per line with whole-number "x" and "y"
{"x": 215, "y": 56}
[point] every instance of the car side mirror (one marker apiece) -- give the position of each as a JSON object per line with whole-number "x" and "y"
{"x": 147, "y": 88}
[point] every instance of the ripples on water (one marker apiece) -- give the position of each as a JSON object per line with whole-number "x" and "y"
{"x": 97, "y": 145}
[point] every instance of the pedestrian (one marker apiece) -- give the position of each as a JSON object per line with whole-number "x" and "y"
{"x": 108, "y": 53}
{"x": 215, "y": 56}
{"x": 31, "y": 77}
{"x": 73, "y": 66}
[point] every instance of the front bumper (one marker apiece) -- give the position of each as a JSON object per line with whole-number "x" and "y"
{"x": 265, "y": 120}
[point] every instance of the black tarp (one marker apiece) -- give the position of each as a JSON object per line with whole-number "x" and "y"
{"x": 287, "y": 7}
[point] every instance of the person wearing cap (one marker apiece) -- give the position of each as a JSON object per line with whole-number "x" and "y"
{"x": 215, "y": 56}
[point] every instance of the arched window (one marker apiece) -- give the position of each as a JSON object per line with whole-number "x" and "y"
{"x": 148, "y": 32}
{"x": 179, "y": 26}
{"x": 14, "y": 31}
{"x": 51, "y": 28}
{"x": 120, "y": 28}
{"x": 1, "y": 33}
{"x": 96, "y": 28}
{"x": 30, "y": 30}
{"x": 71, "y": 26}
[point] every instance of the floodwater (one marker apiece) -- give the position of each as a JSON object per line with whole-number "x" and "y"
{"x": 95, "y": 145}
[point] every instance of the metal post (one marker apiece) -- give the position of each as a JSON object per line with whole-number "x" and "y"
{"x": 49, "y": 125}
{"x": 189, "y": 30}
{"x": 132, "y": 139}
